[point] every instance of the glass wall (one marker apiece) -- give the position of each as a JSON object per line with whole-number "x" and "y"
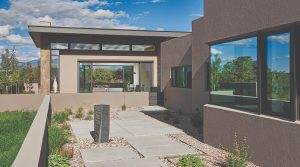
{"x": 146, "y": 81}
{"x": 100, "y": 78}
{"x": 54, "y": 68}
{"x": 181, "y": 77}
{"x": 109, "y": 47}
{"x": 82, "y": 46}
{"x": 278, "y": 74}
{"x": 146, "y": 48}
{"x": 233, "y": 74}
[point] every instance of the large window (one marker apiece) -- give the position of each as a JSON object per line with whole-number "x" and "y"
{"x": 95, "y": 77}
{"x": 233, "y": 74}
{"x": 278, "y": 74}
{"x": 182, "y": 77}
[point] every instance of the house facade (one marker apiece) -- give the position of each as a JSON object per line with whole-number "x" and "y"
{"x": 240, "y": 66}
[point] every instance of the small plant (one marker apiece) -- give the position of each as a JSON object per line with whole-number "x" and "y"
{"x": 91, "y": 112}
{"x": 239, "y": 157}
{"x": 79, "y": 113}
{"x": 61, "y": 117}
{"x": 123, "y": 107}
{"x": 56, "y": 160}
{"x": 190, "y": 161}
{"x": 69, "y": 110}
{"x": 167, "y": 115}
{"x": 57, "y": 137}
{"x": 197, "y": 118}
{"x": 88, "y": 117}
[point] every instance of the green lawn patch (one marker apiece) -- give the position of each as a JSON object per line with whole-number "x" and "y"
{"x": 13, "y": 129}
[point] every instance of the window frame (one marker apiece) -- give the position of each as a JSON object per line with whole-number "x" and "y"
{"x": 172, "y": 79}
{"x": 294, "y": 30}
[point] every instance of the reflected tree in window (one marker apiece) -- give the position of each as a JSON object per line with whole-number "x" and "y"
{"x": 233, "y": 74}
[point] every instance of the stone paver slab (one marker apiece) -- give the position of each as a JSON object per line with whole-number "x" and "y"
{"x": 159, "y": 146}
{"x": 107, "y": 154}
{"x": 144, "y": 162}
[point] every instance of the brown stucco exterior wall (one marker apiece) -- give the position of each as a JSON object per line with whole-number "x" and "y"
{"x": 272, "y": 142}
{"x": 233, "y": 18}
{"x": 176, "y": 52}
{"x": 88, "y": 100}
{"x": 20, "y": 102}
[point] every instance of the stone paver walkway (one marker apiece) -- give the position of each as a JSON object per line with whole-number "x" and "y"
{"x": 145, "y": 134}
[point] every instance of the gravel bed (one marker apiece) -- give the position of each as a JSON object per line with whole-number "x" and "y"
{"x": 211, "y": 156}
{"x": 79, "y": 144}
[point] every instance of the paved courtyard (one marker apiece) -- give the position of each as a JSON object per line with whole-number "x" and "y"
{"x": 147, "y": 138}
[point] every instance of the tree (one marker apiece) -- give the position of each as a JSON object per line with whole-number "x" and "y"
{"x": 215, "y": 70}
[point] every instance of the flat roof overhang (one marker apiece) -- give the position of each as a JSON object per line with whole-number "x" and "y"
{"x": 36, "y": 31}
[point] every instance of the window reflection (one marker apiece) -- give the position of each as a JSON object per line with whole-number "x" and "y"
{"x": 278, "y": 73}
{"x": 233, "y": 74}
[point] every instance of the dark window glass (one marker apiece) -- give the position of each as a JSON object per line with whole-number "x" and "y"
{"x": 82, "y": 46}
{"x": 59, "y": 45}
{"x": 145, "y": 48}
{"x": 182, "y": 77}
{"x": 233, "y": 74}
{"x": 109, "y": 47}
{"x": 278, "y": 74}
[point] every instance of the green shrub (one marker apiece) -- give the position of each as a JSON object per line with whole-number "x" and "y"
{"x": 13, "y": 129}
{"x": 190, "y": 161}
{"x": 239, "y": 157}
{"x": 197, "y": 119}
{"x": 69, "y": 110}
{"x": 124, "y": 107}
{"x": 61, "y": 117}
{"x": 167, "y": 115}
{"x": 57, "y": 137}
{"x": 88, "y": 117}
{"x": 91, "y": 112}
{"x": 79, "y": 113}
{"x": 57, "y": 160}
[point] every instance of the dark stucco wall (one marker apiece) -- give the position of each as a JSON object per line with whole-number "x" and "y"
{"x": 272, "y": 142}
{"x": 227, "y": 20}
{"x": 176, "y": 52}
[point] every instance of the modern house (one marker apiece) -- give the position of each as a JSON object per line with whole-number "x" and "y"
{"x": 240, "y": 64}
{"x": 77, "y": 58}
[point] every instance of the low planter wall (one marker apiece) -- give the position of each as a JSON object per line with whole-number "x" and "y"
{"x": 88, "y": 100}
{"x": 272, "y": 142}
{"x": 34, "y": 150}
{"x": 20, "y": 102}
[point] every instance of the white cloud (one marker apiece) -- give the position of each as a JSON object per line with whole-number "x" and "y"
{"x": 160, "y": 29}
{"x": 283, "y": 39}
{"x": 4, "y": 30}
{"x": 139, "y": 2}
{"x": 215, "y": 51}
{"x": 18, "y": 39}
{"x": 196, "y": 15}
{"x": 62, "y": 13}
{"x": 118, "y": 3}
{"x": 104, "y": 3}
{"x": 156, "y": 1}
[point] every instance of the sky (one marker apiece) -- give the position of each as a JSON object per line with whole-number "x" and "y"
{"x": 160, "y": 15}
